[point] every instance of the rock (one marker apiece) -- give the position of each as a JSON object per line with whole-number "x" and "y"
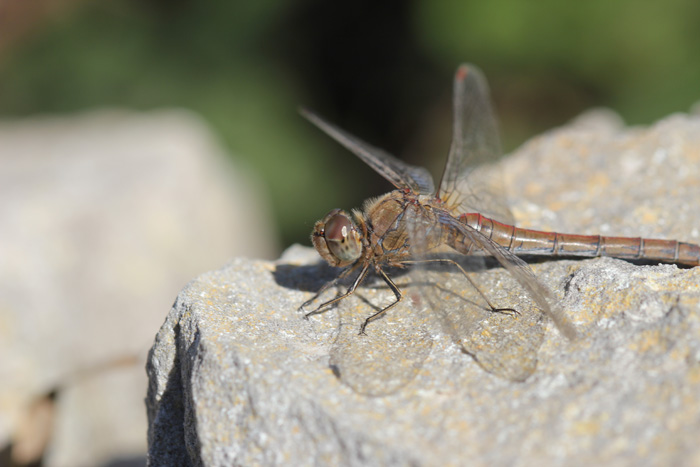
{"x": 237, "y": 377}
{"x": 103, "y": 217}
{"x": 596, "y": 178}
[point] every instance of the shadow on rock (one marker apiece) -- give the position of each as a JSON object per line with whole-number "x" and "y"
{"x": 307, "y": 278}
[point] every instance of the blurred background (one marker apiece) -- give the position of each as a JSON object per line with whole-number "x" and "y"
{"x": 144, "y": 142}
{"x": 382, "y": 71}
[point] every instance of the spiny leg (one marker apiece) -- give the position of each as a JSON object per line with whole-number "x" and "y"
{"x": 358, "y": 280}
{"x": 328, "y": 285}
{"x": 393, "y": 288}
{"x": 507, "y": 311}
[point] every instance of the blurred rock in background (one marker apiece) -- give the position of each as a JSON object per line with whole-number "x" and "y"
{"x": 104, "y": 217}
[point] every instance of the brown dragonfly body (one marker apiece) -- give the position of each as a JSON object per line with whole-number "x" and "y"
{"x": 388, "y": 237}
{"x": 416, "y": 223}
{"x": 536, "y": 242}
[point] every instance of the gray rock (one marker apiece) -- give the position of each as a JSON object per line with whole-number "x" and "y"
{"x": 103, "y": 217}
{"x": 237, "y": 377}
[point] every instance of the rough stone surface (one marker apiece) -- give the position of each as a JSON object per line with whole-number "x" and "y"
{"x": 237, "y": 377}
{"x": 104, "y": 216}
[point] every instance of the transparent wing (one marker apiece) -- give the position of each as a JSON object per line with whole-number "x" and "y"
{"x": 470, "y": 181}
{"x": 504, "y": 345}
{"x": 393, "y": 350}
{"x": 400, "y": 174}
{"x": 501, "y": 344}
{"x": 519, "y": 270}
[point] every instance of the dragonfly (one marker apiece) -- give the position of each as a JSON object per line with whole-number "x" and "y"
{"x": 420, "y": 223}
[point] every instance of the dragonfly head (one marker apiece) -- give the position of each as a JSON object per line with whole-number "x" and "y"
{"x": 336, "y": 239}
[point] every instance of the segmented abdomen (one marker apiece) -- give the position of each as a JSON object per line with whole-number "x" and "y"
{"x": 535, "y": 242}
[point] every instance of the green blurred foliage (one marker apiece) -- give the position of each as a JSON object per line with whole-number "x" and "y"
{"x": 642, "y": 57}
{"x": 380, "y": 70}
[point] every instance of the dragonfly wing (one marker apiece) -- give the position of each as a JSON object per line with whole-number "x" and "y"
{"x": 393, "y": 350}
{"x": 520, "y": 270}
{"x": 400, "y": 174}
{"x": 470, "y": 181}
{"x": 501, "y": 344}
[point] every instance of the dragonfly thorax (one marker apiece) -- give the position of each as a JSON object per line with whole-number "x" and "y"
{"x": 337, "y": 239}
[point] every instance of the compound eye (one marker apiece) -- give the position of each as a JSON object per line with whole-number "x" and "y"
{"x": 342, "y": 238}
{"x": 338, "y": 228}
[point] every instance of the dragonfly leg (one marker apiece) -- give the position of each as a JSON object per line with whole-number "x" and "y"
{"x": 325, "y": 287}
{"x": 494, "y": 309}
{"x": 350, "y": 291}
{"x": 394, "y": 289}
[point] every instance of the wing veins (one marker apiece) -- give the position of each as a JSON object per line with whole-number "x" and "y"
{"x": 400, "y": 174}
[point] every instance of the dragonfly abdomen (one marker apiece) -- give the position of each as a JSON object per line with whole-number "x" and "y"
{"x": 536, "y": 242}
